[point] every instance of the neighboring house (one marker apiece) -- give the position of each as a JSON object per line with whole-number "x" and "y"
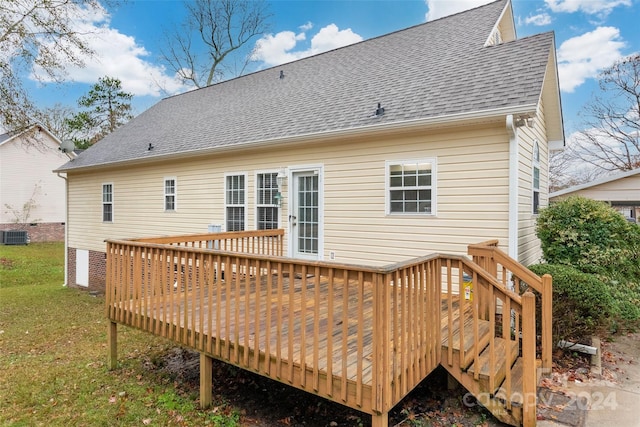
{"x": 420, "y": 141}
{"x": 32, "y": 199}
{"x": 620, "y": 190}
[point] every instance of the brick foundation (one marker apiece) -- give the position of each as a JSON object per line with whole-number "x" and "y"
{"x": 39, "y": 232}
{"x": 97, "y": 271}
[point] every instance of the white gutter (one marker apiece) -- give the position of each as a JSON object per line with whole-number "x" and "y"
{"x": 513, "y": 187}
{"x": 405, "y": 125}
{"x": 66, "y": 228}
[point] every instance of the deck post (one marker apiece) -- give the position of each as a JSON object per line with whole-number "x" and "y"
{"x": 112, "y": 345}
{"x": 206, "y": 377}
{"x": 528, "y": 359}
{"x": 547, "y": 319}
{"x": 380, "y": 419}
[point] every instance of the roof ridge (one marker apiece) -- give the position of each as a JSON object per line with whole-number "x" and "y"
{"x": 398, "y": 31}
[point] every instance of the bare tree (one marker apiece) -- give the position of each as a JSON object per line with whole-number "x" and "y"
{"x": 36, "y": 33}
{"x": 214, "y": 39}
{"x": 55, "y": 119}
{"x": 610, "y": 140}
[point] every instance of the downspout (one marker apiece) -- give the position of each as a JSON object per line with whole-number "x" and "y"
{"x": 66, "y": 228}
{"x": 513, "y": 187}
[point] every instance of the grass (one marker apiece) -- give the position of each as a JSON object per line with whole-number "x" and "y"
{"x": 53, "y": 356}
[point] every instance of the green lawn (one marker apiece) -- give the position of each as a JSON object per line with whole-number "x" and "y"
{"x": 53, "y": 356}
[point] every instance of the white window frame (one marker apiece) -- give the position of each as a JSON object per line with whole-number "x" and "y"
{"x": 105, "y": 203}
{"x": 535, "y": 189}
{"x": 259, "y": 205}
{"x": 432, "y": 187}
{"x": 174, "y": 194}
{"x": 242, "y": 205}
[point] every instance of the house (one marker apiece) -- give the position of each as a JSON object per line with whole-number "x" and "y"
{"x": 416, "y": 142}
{"x": 32, "y": 198}
{"x": 620, "y": 190}
{"x": 347, "y": 187}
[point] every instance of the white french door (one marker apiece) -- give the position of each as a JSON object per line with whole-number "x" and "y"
{"x": 305, "y": 217}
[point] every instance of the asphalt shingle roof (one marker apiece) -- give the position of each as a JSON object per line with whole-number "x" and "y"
{"x": 434, "y": 69}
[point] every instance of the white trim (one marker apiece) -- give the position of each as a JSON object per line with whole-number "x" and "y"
{"x": 66, "y": 229}
{"x": 102, "y": 202}
{"x": 513, "y": 187}
{"x": 319, "y": 168}
{"x": 600, "y": 181}
{"x": 434, "y": 193}
{"x": 556, "y": 145}
{"x": 246, "y": 197}
{"x": 175, "y": 193}
{"x": 256, "y": 204}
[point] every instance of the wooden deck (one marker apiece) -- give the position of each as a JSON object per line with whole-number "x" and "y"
{"x": 165, "y": 315}
{"x": 361, "y": 336}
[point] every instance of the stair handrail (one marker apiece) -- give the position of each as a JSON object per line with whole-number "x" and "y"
{"x": 490, "y": 256}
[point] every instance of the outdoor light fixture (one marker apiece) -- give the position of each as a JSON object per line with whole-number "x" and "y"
{"x": 280, "y": 179}
{"x": 278, "y": 198}
{"x": 282, "y": 176}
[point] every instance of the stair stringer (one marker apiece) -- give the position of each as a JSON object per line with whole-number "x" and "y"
{"x": 497, "y": 407}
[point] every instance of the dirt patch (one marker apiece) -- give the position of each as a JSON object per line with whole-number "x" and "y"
{"x": 266, "y": 403}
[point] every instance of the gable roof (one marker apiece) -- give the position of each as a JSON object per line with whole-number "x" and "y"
{"x": 434, "y": 71}
{"x": 605, "y": 180}
{"x": 6, "y": 138}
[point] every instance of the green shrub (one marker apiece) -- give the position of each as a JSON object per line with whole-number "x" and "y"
{"x": 594, "y": 238}
{"x": 591, "y": 236}
{"x": 582, "y": 304}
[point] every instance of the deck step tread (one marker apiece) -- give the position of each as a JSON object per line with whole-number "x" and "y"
{"x": 516, "y": 385}
{"x": 484, "y": 365}
{"x": 483, "y": 330}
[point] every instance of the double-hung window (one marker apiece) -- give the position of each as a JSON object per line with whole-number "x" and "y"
{"x": 536, "y": 178}
{"x": 170, "y": 194}
{"x": 266, "y": 202}
{"x": 107, "y": 202}
{"x": 235, "y": 202}
{"x": 411, "y": 187}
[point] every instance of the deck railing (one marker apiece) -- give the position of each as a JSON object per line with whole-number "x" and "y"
{"x": 367, "y": 336}
{"x": 260, "y": 242}
{"x": 362, "y": 336}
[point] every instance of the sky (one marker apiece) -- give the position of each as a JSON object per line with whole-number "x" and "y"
{"x": 127, "y": 38}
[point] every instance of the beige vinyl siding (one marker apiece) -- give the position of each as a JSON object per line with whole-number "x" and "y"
{"x": 472, "y": 195}
{"x": 529, "y": 251}
{"x": 23, "y": 167}
{"x": 621, "y": 190}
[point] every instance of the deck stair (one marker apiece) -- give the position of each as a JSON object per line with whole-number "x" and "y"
{"x": 485, "y": 378}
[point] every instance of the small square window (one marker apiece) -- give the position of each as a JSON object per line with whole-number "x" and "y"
{"x": 411, "y": 187}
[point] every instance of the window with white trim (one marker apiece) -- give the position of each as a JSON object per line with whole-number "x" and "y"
{"x": 235, "y": 196}
{"x": 535, "y": 181}
{"x": 107, "y": 202}
{"x": 410, "y": 187}
{"x": 170, "y": 194}
{"x": 266, "y": 203}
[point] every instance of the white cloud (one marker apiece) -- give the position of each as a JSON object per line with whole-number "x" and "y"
{"x": 539, "y": 19}
{"x": 440, "y": 8}
{"x": 279, "y": 48}
{"x": 591, "y": 7}
{"x": 306, "y": 27}
{"x": 116, "y": 55}
{"x": 583, "y": 57}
